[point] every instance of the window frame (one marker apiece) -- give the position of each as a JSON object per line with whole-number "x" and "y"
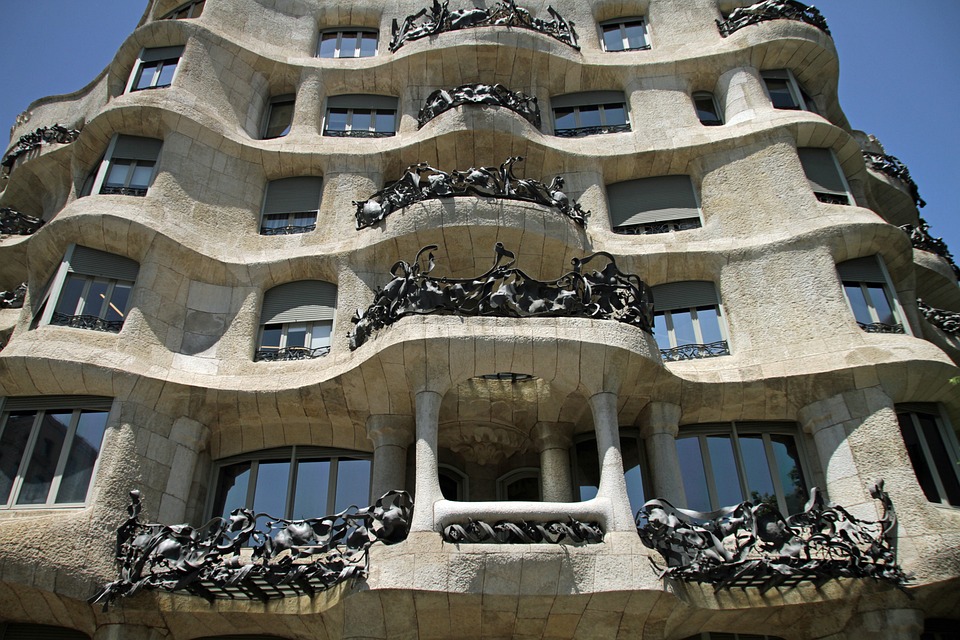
{"x": 291, "y": 216}
{"x": 307, "y": 349}
{"x": 893, "y": 301}
{"x": 100, "y": 175}
{"x": 664, "y": 225}
{"x": 42, "y": 406}
{"x": 831, "y": 197}
{"x": 950, "y": 442}
{"x": 520, "y": 473}
{"x": 141, "y": 64}
{"x": 189, "y": 7}
{"x": 275, "y": 101}
{"x": 708, "y": 95}
{"x": 340, "y": 31}
{"x": 646, "y": 480}
{"x": 351, "y": 104}
{"x": 734, "y": 429}
{"x": 801, "y": 98}
{"x": 694, "y": 310}
{"x": 586, "y": 99}
{"x": 622, "y": 24}
{"x": 461, "y": 479}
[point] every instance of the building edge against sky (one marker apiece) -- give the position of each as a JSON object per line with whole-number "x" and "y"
{"x": 197, "y": 234}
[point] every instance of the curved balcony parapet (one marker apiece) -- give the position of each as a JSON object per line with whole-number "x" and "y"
{"x": 439, "y": 19}
{"x": 921, "y": 239}
{"x": 772, "y": 10}
{"x": 15, "y": 223}
{"x": 495, "y": 95}
{"x": 13, "y": 299}
{"x": 946, "y": 321}
{"x": 506, "y": 291}
{"x": 423, "y": 182}
{"x": 55, "y": 134}
{"x": 894, "y": 167}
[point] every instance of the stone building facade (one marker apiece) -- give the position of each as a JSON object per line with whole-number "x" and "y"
{"x": 225, "y": 308}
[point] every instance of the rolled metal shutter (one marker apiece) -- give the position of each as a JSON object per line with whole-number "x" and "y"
{"x": 865, "y": 269}
{"x": 650, "y": 200}
{"x": 821, "y": 170}
{"x": 293, "y": 195}
{"x": 684, "y": 295}
{"x": 301, "y": 301}
{"x": 92, "y": 262}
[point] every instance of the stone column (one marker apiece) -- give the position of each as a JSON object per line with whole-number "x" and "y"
{"x": 188, "y": 439}
{"x": 391, "y": 435}
{"x": 553, "y": 441}
{"x": 659, "y": 424}
{"x": 308, "y": 110}
{"x": 741, "y": 94}
{"x": 427, "y": 478}
{"x": 612, "y": 484}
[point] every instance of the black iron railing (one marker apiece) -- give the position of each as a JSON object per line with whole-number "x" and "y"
{"x": 94, "y": 323}
{"x": 13, "y": 222}
{"x": 880, "y": 327}
{"x": 287, "y": 230}
{"x": 658, "y": 227}
{"x": 695, "y": 351}
{"x": 289, "y": 353}
{"x": 358, "y": 133}
{"x": 772, "y": 10}
{"x": 123, "y": 191}
{"x": 579, "y": 132}
{"x": 894, "y": 167}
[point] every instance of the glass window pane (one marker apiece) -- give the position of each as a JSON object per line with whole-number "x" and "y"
{"x": 759, "y": 480}
{"x": 709, "y": 324}
{"x": 13, "y": 444}
{"x": 917, "y": 458}
{"x": 328, "y": 45}
{"x": 362, "y": 120}
{"x": 337, "y": 120}
{"x": 788, "y": 467}
{"x": 296, "y": 335}
{"x": 348, "y": 45}
{"x": 117, "y": 309}
{"x": 780, "y": 94}
{"x": 857, "y": 302}
{"x": 304, "y": 219}
{"x": 320, "y": 336}
{"x": 232, "y": 489}
{"x": 946, "y": 467}
{"x": 614, "y": 114}
{"x": 270, "y": 496}
{"x": 310, "y": 494}
{"x": 660, "y": 331}
{"x": 270, "y": 336}
{"x": 117, "y": 175}
{"x": 634, "y": 31}
{"x": 70, "y": 294}
{"x": 368, "y": 45}
{"x": 96, "y": 296}
{"x": 881, "y": 303}
{"x": 386, "y": 121}
{"x": 275, "y": 221}
{"x": 630, "y": 449}
{"x": 167, "y": 70}
{"x": 141, "y": 175}
{"x": 706, "y": 109}
{"x": 450, "y": 486}
{"x": 683, "y": 327}
{"x": 44, "y": 457}
{"x": 590, "y": 116}
{"x": 353, "y": 484}
{"x": 145, "y": 78}
{"x": 725, "y": 475}
{"x": 526, "y": 489}
{"x": 694, "y": 478}
{"x": 588, "y": 470}
{"x": 82, "y": 457}
{"x": 612, "y": 39}
{"x": 281, "y": 116}
{"x": 564, "y": 119}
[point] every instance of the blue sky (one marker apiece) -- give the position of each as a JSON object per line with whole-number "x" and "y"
{"x": 898, "y": 77}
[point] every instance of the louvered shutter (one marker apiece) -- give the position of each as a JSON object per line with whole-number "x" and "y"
{"x": 821, "y": 170}
{"x": 865, "y": 269}
{"x": 587, "y": 98}
{"x": 91, "y": 262}
{"x": 684, "y": 295}
{"x": 650, "y": 200}
{"x": 362, "y": 101}
{"x": 302, "y": 301}
{"x": 137, "y": 148}
{"x": 161, "y": 53}
{"x": 57, "y": 402}
{"x": 293, "y": 195}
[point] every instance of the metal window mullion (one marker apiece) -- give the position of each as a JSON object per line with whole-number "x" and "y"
{"x": 291, "y": 484}
{"x": 695, "y": 320}
{"x": 133, "y": 167}
{"x": 82, "y": 301}
{"x": 871, "y": 309}
{"x": 774, "y": 469}
{"x": 708, "y": 472}
{"x": 795, "y": 91}
{"x": 338, "y": 53}
{"x": 252, "y": 485}
{"x": 624, "y": 41}
{"x": 738, "y": 462}
{"x": 925, "y": 447}
{"x": 576, "y": 118}
{"x": 25, "y": 460}
{"x": 671, "y": 334}
{"x": 602, "y": 111}
{"x": 332, "y": 485}
{"x": 62, "y": 460}
{"x": 283, "y": 331}
{"x": 107, "y": 296}
{"x": 3, "y": 427}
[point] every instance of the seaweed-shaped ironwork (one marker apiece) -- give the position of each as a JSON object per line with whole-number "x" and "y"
{"x": 881, "y": 327}
{"x": 572, "y": 531}
{"x": 581, "y": 132}
{"x": 753, "y": 545}
{"x": 695, "y": 351}
{"x": 13, "y": 299}
{"x": 496, "y": 95}
{"x": 253, "y": 555}
{"x": 289, "y": 353}
{"x": 505, "y": 291}
{"x": 30, "y": 141}
{"x": 423, "y": 182}
{"x": 94, "y": 323}
{"x": 15, "y": 223}
{"x": 894, "y": 167}
{"x": 921, "y": 239}
{"x": 438, "y": 19}
{"x": 772, "y": 10}
{"x": 946, "y": 321}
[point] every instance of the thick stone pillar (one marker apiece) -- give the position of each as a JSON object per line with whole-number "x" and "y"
{"x": 741, "y": 94}
{"x": 188, "y": 440}
{"x": 391, "y": 435}
{"x": 553, "y": 441}
{"x": 427, "y": 478}
{"x": 886, "y": 624}
{"x": 612, "y": 484}
{"x": 659, "y": 424}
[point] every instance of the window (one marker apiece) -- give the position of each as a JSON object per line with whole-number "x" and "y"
{"x": 92, "y": 291}
{"x": 785, "y": 92}
{"x": 688, "y": 321}
{"x": 454, "y": 484}
{"x": 347, "y": 43}
{"x": 520, "y": 485}
{"x": 49, "y": 448}
{"x": 624, "y": 34}
{"x": 707, "y": 110}
{"x": 290, "y": 205}
{"x": 155, "y": 68}
{"x": 869, "y": 296}
{"x": 933, "y": 452}
{"x": 824, "y": 175}
{"x": 653, "y": 205}
{"x": 586, "y": 469}
{"x": 297, "y": 321}
{"x": 293, "y": 482}
{"x": 185, "y": 11}
{"x": 587, "y": 114}
{"x": 360, "y": 116}
{"x": 127, "y": 169}
{"x": 724, "y": 465}
{"x": 279, "y": 117}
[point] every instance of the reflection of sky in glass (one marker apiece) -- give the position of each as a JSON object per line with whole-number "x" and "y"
{"x": 724, "y": 470}
{"x": 328, "y": 45}
{"x": 691, "y": 468}
{"x": 13, "y": 442}
{"x": 709, "y": 324}
{"x": 759, "y": 482}
{"x": 788, "y": 467}
{"x": 271, "y": 491}
{"x": 615, "y": 114}
{"x": 44, "y": 458}
{"x": 634, "y": 34}
{"x": 166, "y": 73}
{"x": 880, "y": 303}
{"x": 82, "y": 457}
{"x": 313, "y": 478}
{"x": 683, "y": 327}
{"x": 353, "y": 484}
{"x": 858, "y": 303}
{"x": 612, "y": 40}
{"x": 660, "y": 331}
{"x": 590, "y": 116}
{"x": 368, "y": 44}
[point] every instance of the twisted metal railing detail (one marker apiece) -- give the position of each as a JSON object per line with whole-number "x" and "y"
{"x": 15, "y": 223}
{"x": 239, "y": 557}
{"x": 772, "y": 10}
{"x": 495, "y": 95}
{"x": 880, "y": 327}
{"x": 571, "y": 531}
{"x": 438, "y": 19}
{"x": 580, "y": 132}
{"x": 357, "y": 133}
{"x": 41, "y": 136}
{"x": 123, "y": 191}
{"x": 694, "y": 351}
{"x": 423, "y": 182}
{"x": 894, "y": 167}
{"x": 752, "y": 545}
{"x": 288, "y": 230}
{"x": 13, "y": 299}
{"x": 505, "y": 291}
{"x": 658, "y": 227}
{"x": 289, "y": 353}
{"x": 946, "y": 321}
{"x": 921, "y": 239}
{"x": 95, "y": 323}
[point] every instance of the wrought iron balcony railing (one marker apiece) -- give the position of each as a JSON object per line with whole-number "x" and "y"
{"x": 13, "y": 299}
{"x": 893, "y": 167}
{"x": 831, "y": 198}
{"x": 357, "y": 133}
{"x": 946, "y": 321}
{"x": 94, "y": 323}
{"x": 921, "y": 239}
{"x": 580, "y": 132}
{"x": 772, "y": 10}
{"x": 15, "y": 223}
{"x": 695, "y": 351}
{"x": 289, "y": 353}
{"x": 123, "y": 191}
{"x": 880, "y": 327}
{"x": 495, "y": 95}
{"x": 288, "y": 230}
{"x": 659, "y": 227}
{"x": 55, "y": 134}
{"x": 569, "y": 531}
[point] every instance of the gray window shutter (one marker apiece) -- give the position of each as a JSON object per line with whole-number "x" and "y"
{"x": 587, "y": 98}
{"x": 649, "y": 200}
{"x": 362, "y": 101}
{"x": 775, "y": 74}
{"x": 865, "y": 269}
{"x": 684, "y": 295}
{"x": 293, "y": 195}
{"x": 821, "y": 170}
{"x": 137, "y": 148}
{"x": 161, "y": 53}
{"x": 57, "y": 402}
{"x": 91, "y": 262}
{"x": 301, "y": 301}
